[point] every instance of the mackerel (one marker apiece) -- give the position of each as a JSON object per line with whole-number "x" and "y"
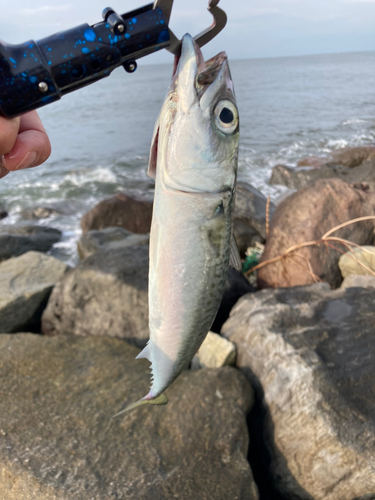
{"x": 194, "y": 162}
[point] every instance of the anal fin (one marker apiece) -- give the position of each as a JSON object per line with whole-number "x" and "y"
{"x": 145, "y": 353}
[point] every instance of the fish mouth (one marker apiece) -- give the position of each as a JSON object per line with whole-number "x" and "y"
{"x": 190, "y": 63}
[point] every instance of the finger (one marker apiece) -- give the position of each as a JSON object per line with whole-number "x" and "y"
{"x": 8, "y": 134}
{"x": 32, "y": 146}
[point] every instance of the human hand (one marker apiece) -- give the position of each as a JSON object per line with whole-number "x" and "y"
{"x": 23, "y": 143}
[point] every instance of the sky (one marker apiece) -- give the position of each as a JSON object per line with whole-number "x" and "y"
{"x": 255, "y": 29}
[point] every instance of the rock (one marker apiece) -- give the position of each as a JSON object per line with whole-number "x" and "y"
{"x": 17, "y": 240}
{"x": 250, "y": 216}
{"x": 352, "y": 157}
{"x": 63, "y": 207}
{"x": 130, "y": 213}
{"x": 236, "y": 286}
{"x": 26, "y": 283}
{"x": 310, "y": 354}
{"x": 311, "y": 169}
{"x": 58, "y": 442}
{"x": 354, "y": 281}
{"x": 347, "y": 157}
{"x": 298, "y": 178}
{"x": 350, "y": 262}
{"x": 105, "y": 295}
{"x": 316, "y": 162}
{"x": 3, "y": 211}
{"x": 215, "y": 352}
{"x": 108, "y": 239}
{"x": 306, "y": 216}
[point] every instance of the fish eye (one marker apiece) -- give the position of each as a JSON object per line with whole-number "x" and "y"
{"x": 226, "y": 117}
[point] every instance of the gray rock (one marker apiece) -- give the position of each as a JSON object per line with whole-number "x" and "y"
{"x": 57, "y": 441}
{"x": 298, "y": 178}
{"x": 250, "y": 216}
{"x": 215, "y": 352}
{"x": 26, "y": 283}
{"x": 310, "y": 354}
{"x": 358, "y": 281}
{"x": 110, "y": 238}
{"x": 353, "y": 262}
{"x": 17, "y": 240}
{"x": 106, "y": 294}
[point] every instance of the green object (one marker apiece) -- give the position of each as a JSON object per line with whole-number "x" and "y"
{"x": 250, "y": 261}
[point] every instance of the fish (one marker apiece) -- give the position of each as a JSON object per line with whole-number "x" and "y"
{"x": 193, "y": 159}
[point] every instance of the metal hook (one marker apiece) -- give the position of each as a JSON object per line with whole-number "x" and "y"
{"x": 220, "y": 20}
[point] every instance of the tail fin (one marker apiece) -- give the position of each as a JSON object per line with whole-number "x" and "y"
{"x": 160, "y": 400}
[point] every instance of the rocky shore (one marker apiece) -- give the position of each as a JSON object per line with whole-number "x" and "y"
{"x": 279, "y": 402}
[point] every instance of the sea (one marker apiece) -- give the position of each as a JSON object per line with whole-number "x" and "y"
{"x": 289, "y": 108}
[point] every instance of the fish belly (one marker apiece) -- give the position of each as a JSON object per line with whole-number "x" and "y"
{"x": 189, "y": 254}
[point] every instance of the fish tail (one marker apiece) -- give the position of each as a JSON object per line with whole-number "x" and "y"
{"x": 160, "y": 400}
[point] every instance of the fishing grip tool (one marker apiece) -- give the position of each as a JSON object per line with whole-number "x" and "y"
{"x": 34, "y": 74}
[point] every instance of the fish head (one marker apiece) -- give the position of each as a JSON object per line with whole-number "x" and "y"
{"x": 195, "y": 143}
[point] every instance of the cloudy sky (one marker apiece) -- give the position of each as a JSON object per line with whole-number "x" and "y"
{"x": 262, "y": 28}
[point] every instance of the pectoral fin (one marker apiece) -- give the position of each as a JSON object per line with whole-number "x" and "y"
{"x": 234, "y": 258}
{"x": 160, "y": 400}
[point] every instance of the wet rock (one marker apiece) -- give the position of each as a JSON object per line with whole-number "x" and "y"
{"x": 297, "y": 178}
{"x": 355, "y": 281}
{"x": 250, "y": 216}
{"x": 64, "y": 207}
{"x": 236, "y": 285}
{"x": 353, "y": 262}
{"x": 17, "y": 240}
{"x": 310, "y": 354}
{"x": 26, "y": 283}
{"x": 131, "y": 213}
{"x": 105, "y": 295}
{"x": 306, "y": 216}
{"x": 215, "y": 352}
{"x": 3, "y": 211}
{"x": 110, "y": 238}
{"x": 58, "y": 442}
{"x": 300, "y": 177}
{"x": 352, "y": 157}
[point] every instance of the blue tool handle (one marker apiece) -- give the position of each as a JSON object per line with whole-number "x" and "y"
{"x": 34, "y": 74}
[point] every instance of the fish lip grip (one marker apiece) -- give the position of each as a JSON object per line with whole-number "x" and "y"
{"x": 34, "y": 74}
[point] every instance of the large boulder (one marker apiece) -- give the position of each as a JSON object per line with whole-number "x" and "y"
{"x": 26, "y": 283}
{"x": 106, "y": 294}
{"x": 300, "y": 177}
{"x": 58, "y": 442}
{"x": 129, "y": 212}
{"x": 359, "y": 260}
{"x": 353, "y": 165}
{"x": 250, "y": 216}
{"x": 310, "y": 354}
{"x": 306, "y": 216}
{"x": 17, "y": 240}
{"x": 110, "y": 238}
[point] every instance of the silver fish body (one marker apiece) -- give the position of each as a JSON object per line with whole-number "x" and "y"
{"x": 194, "y": 162}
